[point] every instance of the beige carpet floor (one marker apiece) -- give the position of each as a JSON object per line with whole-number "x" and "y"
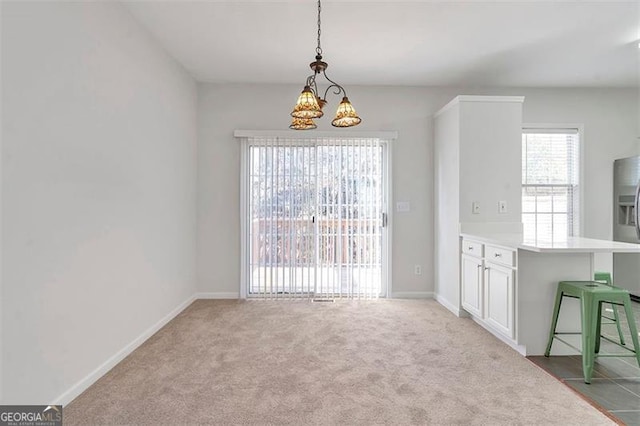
{"x": 375, "y": 362}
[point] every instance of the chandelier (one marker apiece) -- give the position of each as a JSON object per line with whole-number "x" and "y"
{"x": 310, "y": 104}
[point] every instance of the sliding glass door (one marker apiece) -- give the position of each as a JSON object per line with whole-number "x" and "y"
{"x": 316, "y": 212}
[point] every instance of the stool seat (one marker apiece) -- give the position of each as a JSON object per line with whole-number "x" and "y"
{"x": 579, "y": 288}
{"x": 592, "y": 295}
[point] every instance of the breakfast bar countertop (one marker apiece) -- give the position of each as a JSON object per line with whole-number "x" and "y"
{"x": 565, "y": 245}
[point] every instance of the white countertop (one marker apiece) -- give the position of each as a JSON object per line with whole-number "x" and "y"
{"x": 568, "y": 245}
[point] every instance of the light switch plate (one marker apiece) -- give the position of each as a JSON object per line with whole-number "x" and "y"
{"x": 502, "y": 207}
{"x": 403, "y": 206}
{"x": 475, "y": 207}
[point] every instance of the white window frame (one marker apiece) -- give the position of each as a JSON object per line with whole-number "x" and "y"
{"x": 388, "y": 136}
{"x": 564, "y": 127}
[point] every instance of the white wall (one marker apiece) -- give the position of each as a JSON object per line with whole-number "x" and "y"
{"x": 224, "y": 108}
{"x": 490, "y": 153}
{"x": 610, "y": 132}
{"x": 609, "y": 118}
{"x": 98, "y": 181}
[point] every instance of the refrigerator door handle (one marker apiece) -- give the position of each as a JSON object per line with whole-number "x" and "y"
{"x": 637, "y": 213}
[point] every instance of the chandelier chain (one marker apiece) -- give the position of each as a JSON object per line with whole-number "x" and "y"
{"x": 319, "y": 49}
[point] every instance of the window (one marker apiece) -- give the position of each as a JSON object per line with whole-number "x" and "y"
{"x": 550, "y": 183}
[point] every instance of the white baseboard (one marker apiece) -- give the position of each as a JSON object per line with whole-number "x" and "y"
{"x": 412, "y": 295}
{"x": 218, "y": 295}
{"x": 444, "y": 302}
{"x": 92, "y": 377}
{"x": 522, "y": 350}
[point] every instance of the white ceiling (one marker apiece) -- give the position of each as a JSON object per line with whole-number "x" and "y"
{"x": 542, "y": 43}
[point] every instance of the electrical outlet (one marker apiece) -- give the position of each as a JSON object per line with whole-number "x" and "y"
{"x": 502, "y": 207}
{"x": 475, "y": 207}
{"x": 417, "y": 269}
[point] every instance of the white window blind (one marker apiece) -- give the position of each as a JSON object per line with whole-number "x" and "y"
{"x": 550, "y": 183}
{"x": 314, "y": 223}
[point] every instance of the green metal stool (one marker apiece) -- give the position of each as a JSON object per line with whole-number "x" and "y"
{"x": 605, "y": 277}
{"x": 592, "y": 294}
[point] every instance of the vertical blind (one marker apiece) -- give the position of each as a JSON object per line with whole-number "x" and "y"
{"x": 550, "y": 183}
{"x": 315, "y": 217}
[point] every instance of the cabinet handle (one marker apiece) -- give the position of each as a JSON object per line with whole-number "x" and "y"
{"x": 470, "y": 248}
{"x": 498, "y": 254}
{"x": 486, "y": 268}
{"x": 479, "y": 266}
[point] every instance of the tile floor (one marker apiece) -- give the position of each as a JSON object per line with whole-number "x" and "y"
{"x": 615, "y": 386}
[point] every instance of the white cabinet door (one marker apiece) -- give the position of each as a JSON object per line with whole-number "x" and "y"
{"x": 472, "y": 294}
{"x": 499, "y": 298}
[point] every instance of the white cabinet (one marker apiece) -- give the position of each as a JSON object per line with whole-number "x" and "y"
{"x": 488, "y": 285}
{"x": 472, "y": 248}
{"x": 499, "y": 284}
{"x": 472, "y": 289}
{"x": 471, "y": 282}
{"x": 500, "y": 255}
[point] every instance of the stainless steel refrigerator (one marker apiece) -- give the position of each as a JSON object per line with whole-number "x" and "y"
{"x": 626, "y": 226}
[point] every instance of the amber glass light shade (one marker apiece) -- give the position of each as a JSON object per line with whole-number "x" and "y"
{"x": 302, "y": 124}
{"x": 346, "y": 115}
{"x": 307, "y": 105}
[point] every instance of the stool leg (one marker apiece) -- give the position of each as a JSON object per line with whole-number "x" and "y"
{"x": 606, "y": 278}
{"x": 554, "y": 321}
{"x": 589, "y": 327}
{"x": 598, "y": 328}
{"x": 632, "y": 326}
{"x": 617, "y": 320}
